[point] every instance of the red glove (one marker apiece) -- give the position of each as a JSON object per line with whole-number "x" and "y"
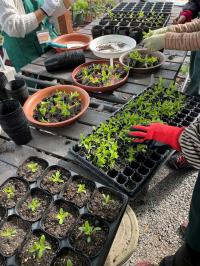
{"x": 159, "y": 132}
{"x": 188, "y": 14}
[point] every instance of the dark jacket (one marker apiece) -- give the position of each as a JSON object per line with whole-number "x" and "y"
{"x": 194, "y": 6}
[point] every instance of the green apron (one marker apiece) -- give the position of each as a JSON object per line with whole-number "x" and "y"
{"x": 22, "y": 51}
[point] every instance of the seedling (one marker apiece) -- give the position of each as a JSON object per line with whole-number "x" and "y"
{"x": 62, "y": 215}
{"x": 39, "y": 247}
{"x": 33, "y": 167}
{"x": 141, "y": 14}
{"x": 10, "y": 191}
{"x": 88, "y": 230}
{"x": 34, "y": 205}
{"x": 81, "y": 188}
{"x": 69, "y": 263}
{"x": 9, "y": 232}
{"x": 147, "y": 34}
{"x": 106, "y": 199}
{"x": 56, "y": 178}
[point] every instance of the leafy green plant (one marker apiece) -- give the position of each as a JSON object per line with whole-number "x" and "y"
{"x": 34, "y": 205}
{"x": 56, "y": 178}
{"x": 32, "y": 166}
{"x": 69, "y": 263}
{"x": 62, "y": 215}
{"x": 147, "y": 34}
{"x": 88, "y": 230}
{"x": 9, "y": 232}
{"x": 39, "y": 247}
{"x": 141, "y": 14}
{"x": 10, "y": 191}
{"x": 81, "y": 188}
{"x": 106, "y": 199}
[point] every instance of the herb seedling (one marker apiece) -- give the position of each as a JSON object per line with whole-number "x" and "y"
{"x": 81, "y": 188}
{"x": 33, "y": 167}
{"x": 88, "y": 230}
{"x": 62, "y": 215}
{"x": 56, "y": 178}
{"x": 69, "y": 263}
{"x": 9, "y": 232}
{"x": 39, "y": 247}
{"x": 34, "y": 205}
{"x": 106, "y": 199}
{"x": 10, "y": 191}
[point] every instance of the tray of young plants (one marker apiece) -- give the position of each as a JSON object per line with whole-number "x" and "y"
{"x": 142, "y": 61}
{"x": 111, "y": 155}
{"x": 100, "y": 76}
{"x": 52, "y": 216}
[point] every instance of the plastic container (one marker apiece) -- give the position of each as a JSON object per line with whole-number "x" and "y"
{"x": 17, "y": 89}
{"x": 3, "y": 84}
{"x": 97, "y": 30}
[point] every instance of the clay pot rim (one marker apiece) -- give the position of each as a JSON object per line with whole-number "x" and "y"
{"x": 158, "y": 54}
{"x": 87, "y": 40}
{"x": 98, "y": 89}
{"x": 37, "y": 97}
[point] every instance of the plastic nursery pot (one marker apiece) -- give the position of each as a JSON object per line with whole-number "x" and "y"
{"x": 97, "y": 89}
{"x": 13, "y": 232}
{"x": 66, "y": 254}
{"x": 12, "y": 190}
{"x": 37, "y": 97}
{"x": 123, "y": 30}
{"x": 14, "y": 122}
{"x": 33, "y": 205}
{"x": 102, "y": 22}
{"x": 17, "y": 89}
{"x": 3, "y": 84}
{"x": 136, "y": 34}
{"x": 32, "y": 168}
{"x": 76, "y": 41}
{"x": 64, "y": 61}
{"x": 109, "y": 30}
{"x": 159, "y": 55}
{"x": 97, "y": 31}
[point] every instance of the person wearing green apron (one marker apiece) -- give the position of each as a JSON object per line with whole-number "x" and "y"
{"x": 20, "y": 22}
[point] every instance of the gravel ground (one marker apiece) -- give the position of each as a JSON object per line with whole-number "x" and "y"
{"x": 166, "y": 206}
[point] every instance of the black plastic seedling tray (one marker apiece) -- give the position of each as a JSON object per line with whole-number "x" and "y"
{"x": 65, "y": 244}
{"x": 132, "y": 179}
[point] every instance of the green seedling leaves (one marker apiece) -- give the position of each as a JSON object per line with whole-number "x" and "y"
{"x": 10, "y": 191}
{"x": 9, "y": 232}
{"x": 32, "y": 166}
{"x": 56, "y": 178}
{"x": 81, "y": 188}
{"x": 34, "y": 205}
{"x": 62, "y": 215}
{"x": 40, "y": 247}
{"x": 88, "y": 230}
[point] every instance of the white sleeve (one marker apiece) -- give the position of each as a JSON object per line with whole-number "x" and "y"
{"x": 60, "y": 10}
{"x": 13, "y": 23}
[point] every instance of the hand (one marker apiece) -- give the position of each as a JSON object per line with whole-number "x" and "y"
{"x": 155, "y": 43}
{"x": 160, "y": 31}
{"x": 179, "y": 20}
{"x": 159, "y": 132}
{"x": 185, "y": 16}
{"x": 50, "y": 6}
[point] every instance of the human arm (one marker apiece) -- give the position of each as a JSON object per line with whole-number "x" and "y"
{"x": 190, "y": 11}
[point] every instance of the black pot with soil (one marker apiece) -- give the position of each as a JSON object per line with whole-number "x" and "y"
{"x": 97, "y": 31}
{"x": 11, "y": 191}
{"x": 32, "y": 168}
{"x": 136, "y": 33}
{"x": 54, "y": 179}
{"x": 17, "y": 89}
{"x": 3, "y": 85}
{"x": 109, "y": 30}
{"x": 122, "y": 30}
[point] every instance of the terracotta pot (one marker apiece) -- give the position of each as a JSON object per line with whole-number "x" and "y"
{"x": 37, "y": 97}
{"x": 97, "y": 89}
{"x": 160, "y": 56}
{"x": 73, "y": 38}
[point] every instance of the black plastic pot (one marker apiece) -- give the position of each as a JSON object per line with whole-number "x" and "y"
{"x": 17, "y": 89}
{"x": 136, "y": 34}
{"x": 109, "y": 30}
{"x": 113, "y": 23}
{"x": 3, "y": 84}
{"x": 97, "y": 31}
{"x": 103, "y": 22}
{"x": 65, "y": 60}
{"x": 123, "y": 31}
{"x": 14, "y": 122}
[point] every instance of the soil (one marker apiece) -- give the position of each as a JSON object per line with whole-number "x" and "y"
{"x": 8, "y": 245}
{"x": 30, "y": 259}
{"x": 76, "y": 259}
{"x": 111, "y": 47}
{"x": 98, "y": 238}
{"x": 106, "y": 211}
{"x": 27, "y": 174}
{"x": 54, "y": 187}
{"x": 79, "y": 199}
{"x": 57, "y": 108}
{"x": 19, "y": 189}
{"x": 27, "y": 213}
{"x": 51, "y": 224}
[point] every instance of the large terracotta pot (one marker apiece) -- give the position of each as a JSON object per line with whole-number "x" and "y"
{"x": 73, "y": 38}
{"x": 37, "y": 97}
{"x": 97, "y": 89}
{"x": 148, "y": 70}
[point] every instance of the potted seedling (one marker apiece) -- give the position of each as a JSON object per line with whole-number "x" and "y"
{"x": 54, "y": 179}
{"x": 12, "y": 234}
{"x": 142, "y": 61}
{"x": 89, "y": 235}
{"x": 38, "y": 250}
{"x": 78, "y": 191}
{"x": 33, "y": 205}
{"x": 11, "y": 191}
{"x": 60, "y": 219}
{"x": 32, "y": 168}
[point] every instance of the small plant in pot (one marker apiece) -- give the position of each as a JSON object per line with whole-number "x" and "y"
{"x": 89, "y": 235}
{"x": 32, "y": 168}
{"x": 60, "y": 219}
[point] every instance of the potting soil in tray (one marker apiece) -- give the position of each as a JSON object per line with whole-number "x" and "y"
{"x": 109, "y": 153}
{"x": 58, "y": 231}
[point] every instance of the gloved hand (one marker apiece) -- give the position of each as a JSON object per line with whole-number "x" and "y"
{"x": 155, "y": 43}
{"x": 160, "y": 31}
{"x": 184, "y": 16}
{"x": 50, "y": 6}
{"x": 159, "y": 132}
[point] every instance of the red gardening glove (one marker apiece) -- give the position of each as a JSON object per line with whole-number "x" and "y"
{"x": 159, "y": 132}
{"x": 188, "y": 14}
